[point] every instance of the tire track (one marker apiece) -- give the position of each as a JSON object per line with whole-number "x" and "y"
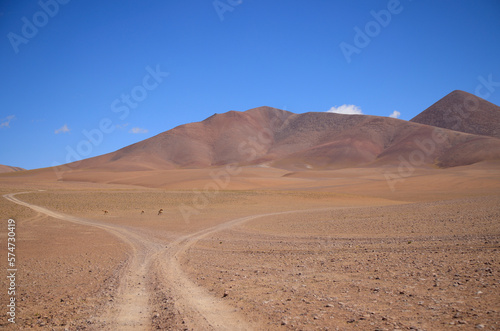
{"x": 132, "y": 311}
{"x": 200, "y": 308}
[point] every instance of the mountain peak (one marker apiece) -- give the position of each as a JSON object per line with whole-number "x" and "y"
{"x": 6, "y": 168}
{"x": 316, "y": 140}
{"x": 464, "y": 112}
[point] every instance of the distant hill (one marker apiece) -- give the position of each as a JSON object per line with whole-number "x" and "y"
{"x": 464, "y": 112}
{"x": 5, "y": 168}
{"x": 278, "y": 138}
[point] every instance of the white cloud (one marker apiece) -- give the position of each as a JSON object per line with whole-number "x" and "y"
{"x": 395, "y": 114}
{"x": 346, "y": 109}
{"x": 62, "y": 129}
{"x": 121, "y": 126}
{"x": 5, "y": 122}
{"x": 138, "y": 130}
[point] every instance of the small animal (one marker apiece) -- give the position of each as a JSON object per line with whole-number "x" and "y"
{"x": 105, "y": 212}
{"x": 160, "y": 211}
{"x": 142, "y": 212}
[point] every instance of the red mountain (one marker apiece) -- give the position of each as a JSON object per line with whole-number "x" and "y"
{"x": 5, "y": 168}
{"x": 464, "y": 112}
{"x": 282, "y": 139}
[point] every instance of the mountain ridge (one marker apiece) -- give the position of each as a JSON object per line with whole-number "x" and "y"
{"x": 6, "y": 168}
{"x": 274, "y": 137}
{"x": 463, "y": 112}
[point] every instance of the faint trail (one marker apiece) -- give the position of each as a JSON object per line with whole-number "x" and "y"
{"x": 198, "y": 306}
{"x": 131, "y": 311}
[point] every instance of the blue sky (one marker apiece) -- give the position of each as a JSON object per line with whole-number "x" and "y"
{"x": 94, "y": 76}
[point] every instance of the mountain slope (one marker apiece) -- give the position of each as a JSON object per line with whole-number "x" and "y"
{"x": 214, "y": 141}
{"x": 5, "y": 168}
{"x": 278, "y": 138}
{"x": 464, "y": 112}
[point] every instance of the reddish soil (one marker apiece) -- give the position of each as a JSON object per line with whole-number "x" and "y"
{"x": 269, "y": 249}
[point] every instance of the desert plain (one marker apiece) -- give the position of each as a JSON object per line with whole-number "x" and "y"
{"x": 263, "y": 249}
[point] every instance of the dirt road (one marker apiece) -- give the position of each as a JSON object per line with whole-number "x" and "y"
{"x": 198, "y": 307}
{"x": 133, "y": 308}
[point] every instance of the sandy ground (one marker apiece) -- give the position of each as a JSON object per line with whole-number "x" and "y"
{"x": 422, "y": 266}
{"x": 309, "y": 251}
{"x": 66, "y": 272}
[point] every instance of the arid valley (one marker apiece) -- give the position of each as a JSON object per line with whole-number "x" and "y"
{"x": 327, "y": 223}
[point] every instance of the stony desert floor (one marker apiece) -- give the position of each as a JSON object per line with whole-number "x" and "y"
{"x": 300, "y": 258}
